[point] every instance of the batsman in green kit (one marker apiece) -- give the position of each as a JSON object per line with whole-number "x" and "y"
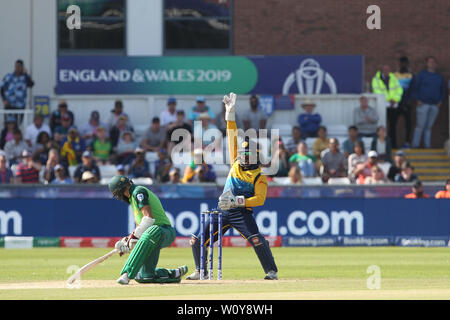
{"x": 153, "y": 232}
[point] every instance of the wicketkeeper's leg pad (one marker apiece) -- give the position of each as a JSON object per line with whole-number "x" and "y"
{"x": 262, "y": 250}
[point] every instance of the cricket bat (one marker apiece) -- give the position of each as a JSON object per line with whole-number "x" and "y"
{"x": 90, "y": 265}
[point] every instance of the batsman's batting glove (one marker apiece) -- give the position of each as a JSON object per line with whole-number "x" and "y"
{"x": 229, "y": 106}
{"x": 131, "y": 241}
{"x": 122, "y": 246}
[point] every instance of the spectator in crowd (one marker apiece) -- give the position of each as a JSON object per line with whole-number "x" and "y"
{"x": 307, "y": 163}
{"x": 406, "y": 174}
{"x": 57, "y": 116}
{"x": 13, "y": 89}
{"x": 321, "y": 143}
{"x": 198, "y": 170}
{"x": 405, "y": 78}
{"x": 365, "y": 170}
{"x": 72, "y": 147}
{"x": 198, "y": 109}
{"x": 139, "y": 168}
{"x": 365, "y": 118}
{"x": 89, "y": 177}
{"x": 15, "y": 147}
{"x": 377, "y": 176}
{"x": 120, "y": 170}
{"x": 396, "y": 168}
{"x": 169, "y": 115}
{"x": 174, "y": 176}
{"x": 221, "y": 123}
{"x": 308, "y": 121}
{"x": 33, "y": 130}
{"x": 61, "y": 176}
{"x": 295, "y": 176}
{"x": 62, "y": 130}
{"x": 417, "y": 191}
{"x": 155, "y": 137}
{"x": 349, "y": 144}
{"x": 357, "y": 158}
{"x": 384, "y": 82}
{"x": 115, "y": 114}
{"x": 333, "y": 161}
{"x": 280, "y": 159}
{"x": 120, "y": 127}
{"x": 186, "y": 132}
{"x": 8, "y": 131}
{"x": 28, "y": 169}
{"x": 42, "y": 147}
{"x": 89, "y": 131}
{"x": 6, "y": 175}
{"x": 88, "y": 164}
{"x": 207, "y": 138}
{"x": 254, "y": 118}
{"x": 382, "y": 145}
{"x": 294, "y": 140}
{"x": 50, "y": 166}
{"x": 429, "y": 89}
{"x": 444, "y": 194}
{"x": 162, "y": 166}
{"x": 101, "y": 146}
{"x": 125, "y": 148}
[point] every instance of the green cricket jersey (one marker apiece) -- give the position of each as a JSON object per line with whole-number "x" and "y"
{"x": 140, "y": 197}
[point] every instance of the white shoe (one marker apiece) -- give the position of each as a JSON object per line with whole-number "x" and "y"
{"x": 271, "y": 275}
{"x": 123, "y": 279}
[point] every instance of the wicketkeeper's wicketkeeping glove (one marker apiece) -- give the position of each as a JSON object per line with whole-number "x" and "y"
{"x": 229, "y": 106}
{"x": 228, "y": 201}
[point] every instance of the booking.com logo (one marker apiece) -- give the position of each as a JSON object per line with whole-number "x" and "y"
{"x": 208, "y": 146}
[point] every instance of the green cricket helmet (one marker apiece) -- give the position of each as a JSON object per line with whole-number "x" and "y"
{"x": 117, "y": 185}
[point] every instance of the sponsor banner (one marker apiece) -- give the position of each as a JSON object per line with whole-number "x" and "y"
{"x": 366, "y": 241}
{"x": 46, "y": 242}
{"x": 18, "y": 242}
{"x": 2, "y": 242}
{"x": 276, "y": 75}
{"x": 422, "y": 241}
{"x": 309, "y": 241}
{"x": 91, "y": 242}
{"x": 181, "y": 242}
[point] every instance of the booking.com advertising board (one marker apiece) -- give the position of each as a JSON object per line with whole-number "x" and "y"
{"x": 277, "y": 75}
{"x": 298, "y": 221}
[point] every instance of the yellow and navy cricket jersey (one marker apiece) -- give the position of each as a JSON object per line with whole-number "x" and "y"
{"x": 251, "y": 184}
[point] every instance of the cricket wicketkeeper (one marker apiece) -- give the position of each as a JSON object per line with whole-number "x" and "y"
{"x": 153, "y": 232}
{"x": 244, "y": 189}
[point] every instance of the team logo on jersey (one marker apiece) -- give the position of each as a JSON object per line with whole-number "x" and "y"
{"x": 140, "y": 197}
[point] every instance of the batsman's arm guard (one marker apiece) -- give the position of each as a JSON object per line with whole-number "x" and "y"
{"x": 146, "y": 222}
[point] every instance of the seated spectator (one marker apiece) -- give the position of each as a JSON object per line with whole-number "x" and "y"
{"x": 221, "y": 123}
{"x": 308, "y": 121}
{"x": 162, "y": 166}
{"x": 115, "y": 114}
{"x": 382, "y": 145}
{"x": 101, "y": 146}
{"x": 72, "y": 147}
{"x": 333, "y": 161}
{"x": 349, "y": 144}
{"x": 42, "y": 147}
{"x": 6, "y": 175}
{"x": 295, "y": 176}
{"x": 8, "y": 131}
{"x": 208, "y": 139}
{"x": 125, "y": 148}
{"x": 155, "y": 137}
{"x": 88, "y": 164}
{"x": 174, "y": 176}
{"x": 28, "y": 169}
{"x": 169, "y": 115}
{"x": 15, "y": 147}
{"x": 62, "y": 130}
{"x": 364, "y": 170}
{"x": 198, "y": 170}
{"x": 396, "y": 168}
{"x": 183, "y": 135}
{"x": 120, "y": 170}
{"x": 61, "y": 176}
{"x": 56, "y": 116}
{"x": 50, "y": 166}
{"x": 254, "y": 117}
{"x": 417, "y": 191}
{"x": 280, "y": 160}
{"x": 406, "y": 174}
{"x": 89, "y": 130}
{"x": 444, "y": 194}
{"x": 358, "y": 157}
{"x": 377, "y": 176}
{"x": 198, "y": 109}
{"x": 321, "y": 143}
{"x": 89, "y": 177}
{"x": 307, "y": 163}
{"x": 120, "y": 127}
{"x": 139, "y": 168}
{"x": 33, "y": 130}
{"x": 294, "y": 140}
{"x": 365, "y": 118}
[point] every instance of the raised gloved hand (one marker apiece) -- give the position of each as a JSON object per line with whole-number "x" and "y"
{"x": 229, "y": 106}
{"x": 228, "y": 201}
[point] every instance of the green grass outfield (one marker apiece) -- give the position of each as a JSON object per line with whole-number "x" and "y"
{"x": 305, "y": 273}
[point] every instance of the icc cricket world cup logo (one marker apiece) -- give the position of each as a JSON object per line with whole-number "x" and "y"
{"x": 310, "y": 79}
